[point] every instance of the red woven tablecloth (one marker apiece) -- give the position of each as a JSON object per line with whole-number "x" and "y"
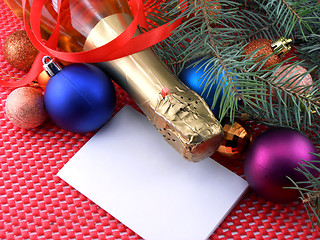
{"x": 36, "y": 204}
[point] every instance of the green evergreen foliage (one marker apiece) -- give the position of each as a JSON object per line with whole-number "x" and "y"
{"x": 220, "y": 35}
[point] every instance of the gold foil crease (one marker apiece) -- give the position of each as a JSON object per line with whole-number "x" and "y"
{"x": 179, "y": 114}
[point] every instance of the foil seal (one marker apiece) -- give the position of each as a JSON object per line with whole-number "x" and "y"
{"x": 180, "y": 115}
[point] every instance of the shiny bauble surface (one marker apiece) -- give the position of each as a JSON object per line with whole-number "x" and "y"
{"x": 25, "y": 107}
{"x": 19, "y": 51}
{"x": 273, "y": 156}
{"x": 80, "y": 98}
{"x": 196, "y": 78}
{"x": 265, "y": 50}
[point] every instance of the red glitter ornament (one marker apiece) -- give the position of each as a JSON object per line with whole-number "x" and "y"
{"x": 25, "y": 107}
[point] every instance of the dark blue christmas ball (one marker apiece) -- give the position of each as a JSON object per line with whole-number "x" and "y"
{"x": 200, "y": 79}
{"x": 80, "y": 98}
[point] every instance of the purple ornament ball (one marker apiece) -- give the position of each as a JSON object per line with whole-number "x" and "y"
{"x": 274, "y": 155}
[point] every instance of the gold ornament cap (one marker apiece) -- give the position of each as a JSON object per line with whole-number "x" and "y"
{"x": 281, "y": 46}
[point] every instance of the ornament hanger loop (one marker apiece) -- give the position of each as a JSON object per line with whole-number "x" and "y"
{"x": 51, "y": 67}
{"x": 46, "y": 60}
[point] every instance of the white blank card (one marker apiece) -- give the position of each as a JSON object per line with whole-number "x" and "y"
{"x": 130, "y": 171}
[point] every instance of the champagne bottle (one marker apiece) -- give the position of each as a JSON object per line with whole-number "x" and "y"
{"x": 178, "y": 113}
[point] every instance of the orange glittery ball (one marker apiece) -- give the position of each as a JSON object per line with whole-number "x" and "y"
{"x": 43, "y": 79}
{"x": 25, "y": 107}
{"x": 265, "y": 51}
{"x": 19, "y": 51}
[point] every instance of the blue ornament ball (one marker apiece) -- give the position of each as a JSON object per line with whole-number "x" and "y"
{"x": 196, "y": 76}
{"x": 80, "y": 98}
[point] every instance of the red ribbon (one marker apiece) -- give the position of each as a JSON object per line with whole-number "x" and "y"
{"x": 125, "y": 44}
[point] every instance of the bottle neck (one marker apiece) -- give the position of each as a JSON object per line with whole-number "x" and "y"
{"x": 78, "y": 18}
{"x": 86, "y": 14}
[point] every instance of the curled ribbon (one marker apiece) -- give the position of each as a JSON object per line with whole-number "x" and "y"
{"x": 125, "y": 44}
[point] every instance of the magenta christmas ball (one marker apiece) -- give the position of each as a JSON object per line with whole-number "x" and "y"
{"x": 274, "y": 155}
{"x": 80, "y": 98}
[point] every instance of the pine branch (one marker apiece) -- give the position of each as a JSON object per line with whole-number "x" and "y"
{"x": 215, "y": 52}
{"x": 291, "y": 10}
{"x": 197, "y": 38}
{"x": 310, "y": 191}
{"x": 293, "y": 17}
{"x": 309, "y": 50}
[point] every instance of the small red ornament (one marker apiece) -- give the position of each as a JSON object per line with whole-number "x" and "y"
{"x": 274, "y": 50}
{"x": 19, "y": 51}
{"x": 25, "y": 107}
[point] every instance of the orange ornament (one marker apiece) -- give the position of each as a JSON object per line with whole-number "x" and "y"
{"x": 43, "y": 79}
{"x": 273, "y": 50}
{"x": 236, "y": 141}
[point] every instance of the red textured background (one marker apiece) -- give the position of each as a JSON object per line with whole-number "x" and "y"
{"x": 36, "y": 204}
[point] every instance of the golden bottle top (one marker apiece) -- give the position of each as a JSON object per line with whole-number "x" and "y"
{"x": 180, "y": 115}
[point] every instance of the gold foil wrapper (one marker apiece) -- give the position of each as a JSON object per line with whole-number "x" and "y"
{"x": 179, "y": 114}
